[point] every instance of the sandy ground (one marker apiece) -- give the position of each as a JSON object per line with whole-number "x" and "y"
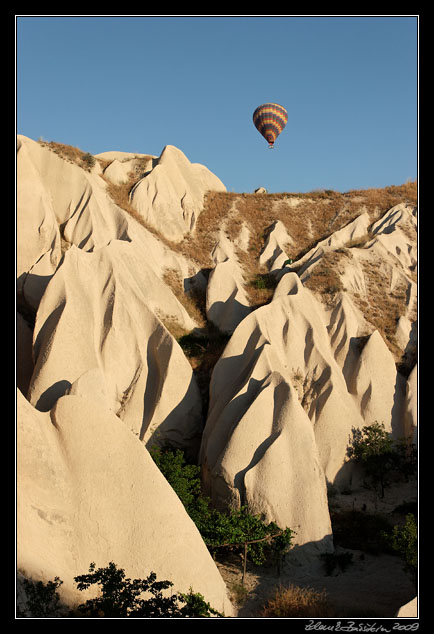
{"x": 372, "y": 586}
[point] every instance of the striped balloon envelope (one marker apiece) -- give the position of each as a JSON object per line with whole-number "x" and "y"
{"x": 270, "y": 119}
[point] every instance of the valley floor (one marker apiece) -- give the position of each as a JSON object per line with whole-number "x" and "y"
{"x": 372, "y": 585}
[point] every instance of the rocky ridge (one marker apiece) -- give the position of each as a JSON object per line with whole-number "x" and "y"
{"x": 316, "y": 347}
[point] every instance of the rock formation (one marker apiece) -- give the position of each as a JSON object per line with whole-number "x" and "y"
{"x": 89, "y": 491}
{"x": 102, "y": 378}
{"x": 226, "y": 301}
{"x": 107, "y": 377}
{"x": 170, "y": 197}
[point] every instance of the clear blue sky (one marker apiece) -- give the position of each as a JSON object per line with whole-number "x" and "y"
{"x": 136, "y": 84}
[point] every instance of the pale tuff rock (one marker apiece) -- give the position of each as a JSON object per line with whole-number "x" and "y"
{"x": 226, "y": 300}
{"x": 388, "y": 248}
{"x": 39, "y": 233}
{"x": 411, "y": 411}
{"x": 331, "y": 387}
{"x": 89, "y": 491}
{"x": 61, "y": 205}
{"x": 170, "y": 197}
{"x": 374, "y": 383}
{"x": 352, "y": 231}
{"x": 275, "y": 386}
{"x": 346, "y": 329}
{"x": 98, "y": 313}
{"x": 343, "y": 378}
{"x": 409, "y": 610}
{"x": 58, "y": 205}
{"x": 24, "y": 354}
{"x": 120, "y": 169}
{"x": 274, "y": 253}
{"x": 75, "y": 199}
{"x": 122, "y": 157}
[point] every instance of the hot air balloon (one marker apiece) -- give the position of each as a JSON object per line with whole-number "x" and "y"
{"x": 270, "y": 119}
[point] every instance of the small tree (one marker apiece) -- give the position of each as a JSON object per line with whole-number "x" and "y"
{"x": 381, "y": 456}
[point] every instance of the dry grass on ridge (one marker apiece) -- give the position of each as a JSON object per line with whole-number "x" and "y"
{"x": 70, "y": 154}
{"x": 308, "y": 218}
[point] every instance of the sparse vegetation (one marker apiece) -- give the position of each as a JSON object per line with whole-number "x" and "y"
{"x": 192, "y": 300}
{"x": 380, "y": 306}
{"x": 308, "y": 218}
{"x": 238, "y": 593}
{"x": 71, "y": 154}
{"x": 298, "y": 602}
{"x": 325, "y": 278}
{"x": 88, "y": 160}
{"x": 260, "y": 289}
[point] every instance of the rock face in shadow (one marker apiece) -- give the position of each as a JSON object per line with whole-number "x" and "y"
{"x": 89, "y": 491}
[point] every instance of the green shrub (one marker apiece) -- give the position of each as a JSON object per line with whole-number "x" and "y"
{"x": 42, "y": 598}
{"x": 88, "y": 160}
{"x": 383, "y": 459}
{"x": 403, "y": 542}
{"x": 237, "y": 528}
{"x": 184, "y": 479}
{"x": 230, "y": 530}
{"x": 121, "y": 597}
